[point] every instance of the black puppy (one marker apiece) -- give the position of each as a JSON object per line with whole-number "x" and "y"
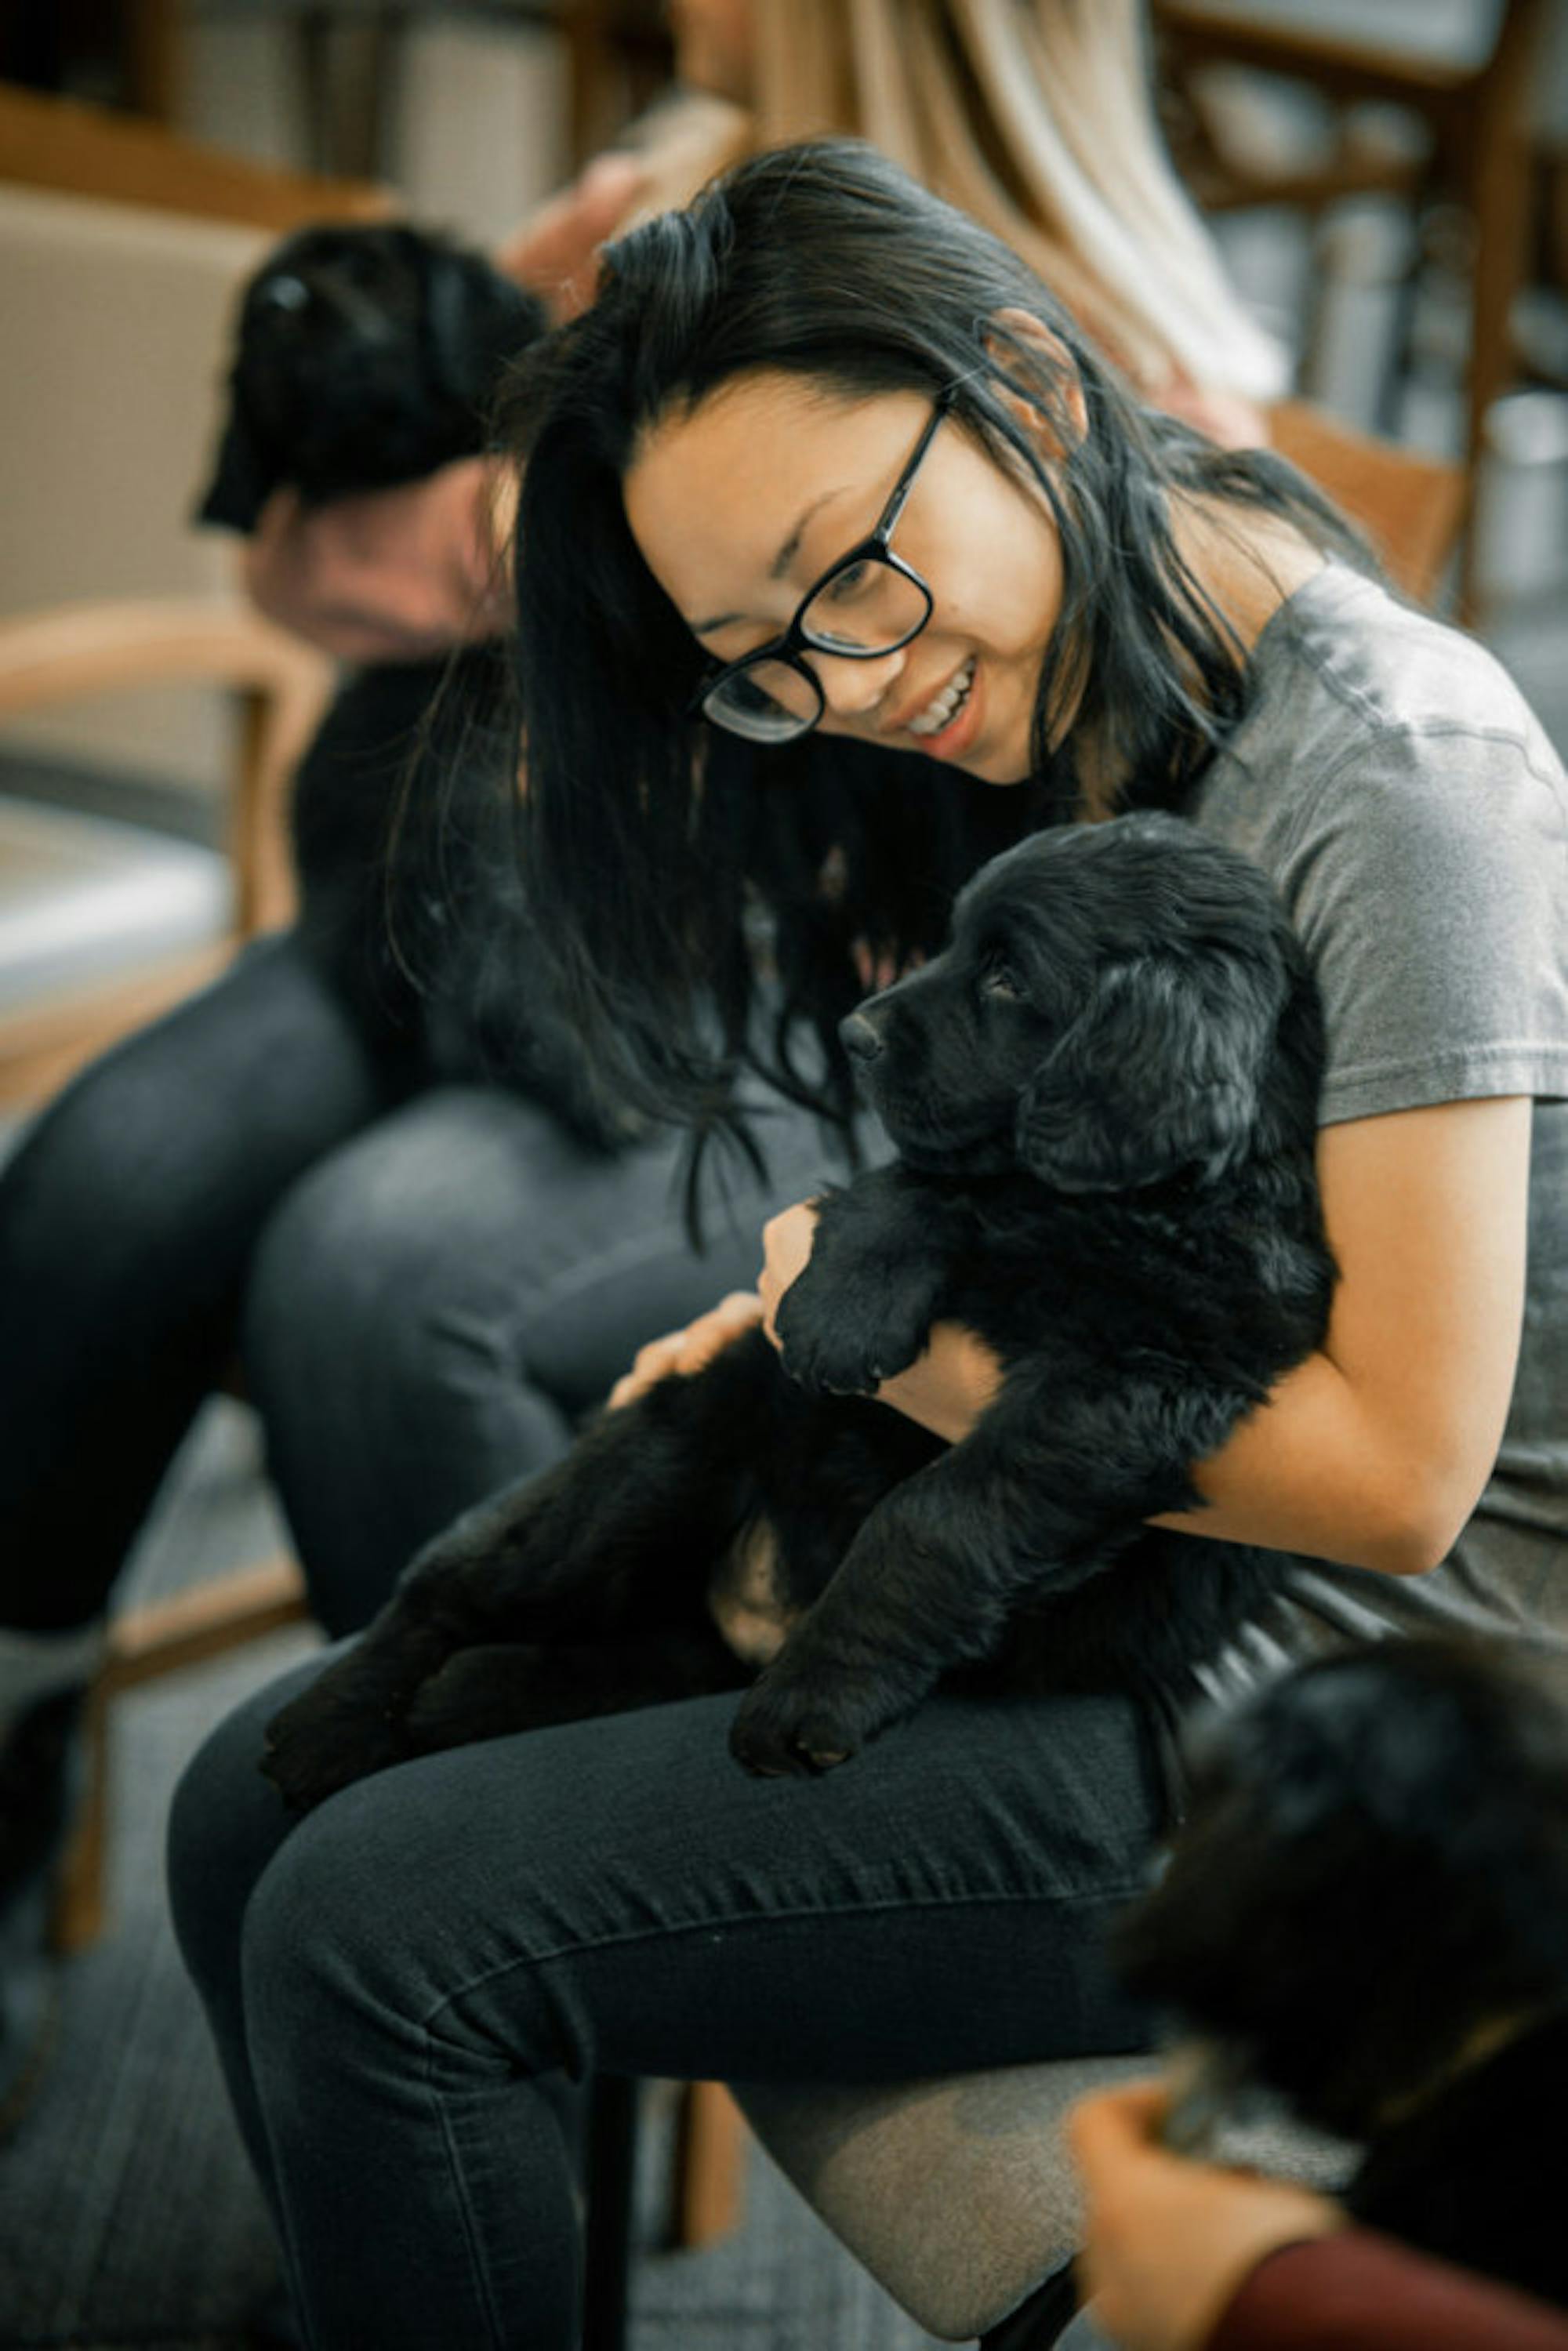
{"x": 364, "y": 357}
{"x": 1368, "y": 1911}
{"x": 1103, "y": 1094}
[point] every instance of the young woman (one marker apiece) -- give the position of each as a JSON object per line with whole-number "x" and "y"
{"x": 827, "y": 460}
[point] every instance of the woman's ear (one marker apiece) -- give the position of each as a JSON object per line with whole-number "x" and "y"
{"x": 1041, "y": 348}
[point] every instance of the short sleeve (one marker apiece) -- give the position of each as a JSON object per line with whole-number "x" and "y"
{"x": 1427, "y": 875}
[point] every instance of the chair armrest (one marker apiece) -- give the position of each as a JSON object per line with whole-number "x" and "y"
{"x": 94, "y": 647}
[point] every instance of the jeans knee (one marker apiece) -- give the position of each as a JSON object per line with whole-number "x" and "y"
{"x": 362, "y": 1266}
{"x": 226, "y": 1822}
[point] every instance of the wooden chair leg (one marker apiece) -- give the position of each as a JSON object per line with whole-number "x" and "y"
{"x": 203, "y": 1622}
{"x": 80, "y": 1904}
{"x": 710, "y": 2165}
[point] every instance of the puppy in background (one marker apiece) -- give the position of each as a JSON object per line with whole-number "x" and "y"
{"x": 364, "y": 357}
{"x": 1367, "y": 1912}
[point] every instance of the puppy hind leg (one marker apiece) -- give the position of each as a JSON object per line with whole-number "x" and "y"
{"x": 496, "y": 1691}
{"x": 620, "y": 1536}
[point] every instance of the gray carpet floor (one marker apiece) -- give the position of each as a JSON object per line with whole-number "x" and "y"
{"x": 127, "y": 2216}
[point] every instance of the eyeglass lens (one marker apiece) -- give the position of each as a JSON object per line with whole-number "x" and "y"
{"x": 869, "y": 608}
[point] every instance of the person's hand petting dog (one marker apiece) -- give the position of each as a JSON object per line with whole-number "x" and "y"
{"x": 394, "y": 575}
{"x": 945, "y": 1390}
{"x": 1168, "y": 2242}
{"x": 679, "y": 1353}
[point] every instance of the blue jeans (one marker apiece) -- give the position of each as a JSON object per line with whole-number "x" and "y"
{"x": 427, "y": 1286}
{"x": 397, "y": 1983}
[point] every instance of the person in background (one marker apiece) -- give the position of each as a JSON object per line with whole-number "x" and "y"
{"x": 1180, "y": 2255}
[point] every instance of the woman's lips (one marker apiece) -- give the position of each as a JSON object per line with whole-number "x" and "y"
{"x": 951, "y": 741}
{"x": 938, "y": 712}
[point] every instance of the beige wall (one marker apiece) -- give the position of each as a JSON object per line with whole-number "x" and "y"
{"x": 114, "y": 323}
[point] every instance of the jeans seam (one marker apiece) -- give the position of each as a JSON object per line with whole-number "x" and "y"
{"x": 768, "y": 1917}
{"x": 479, "y": 2268}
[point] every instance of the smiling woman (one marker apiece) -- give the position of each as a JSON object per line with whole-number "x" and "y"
{"x": 821, "y": 365}
{"x": 820, "y": 374}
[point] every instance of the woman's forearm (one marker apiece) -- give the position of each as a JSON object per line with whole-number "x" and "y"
{"x": 1317, "y": 1469}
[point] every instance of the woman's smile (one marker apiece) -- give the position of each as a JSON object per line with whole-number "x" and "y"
{"x": 946, "y": 725}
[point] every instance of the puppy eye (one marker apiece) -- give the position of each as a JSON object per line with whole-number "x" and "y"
{"x": 1000, "y": 980}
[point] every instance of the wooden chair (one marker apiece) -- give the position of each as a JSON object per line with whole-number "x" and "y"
{"x": 280, "y": 690}
{"x": 1477, "y": 113}
{"x": 1410, "y": 506}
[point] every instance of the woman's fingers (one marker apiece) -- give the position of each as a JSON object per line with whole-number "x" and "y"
{"x": 681, "y": 1353}
{"x": 786, "y": 1241}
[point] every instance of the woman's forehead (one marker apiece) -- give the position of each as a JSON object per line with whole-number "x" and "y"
{"x": 721, "y": 486}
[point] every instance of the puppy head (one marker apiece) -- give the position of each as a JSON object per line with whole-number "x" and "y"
{"x": 365, "y": 356}
{"x": 1105, "y": 1014}
{"x": 1372, "y": 1876}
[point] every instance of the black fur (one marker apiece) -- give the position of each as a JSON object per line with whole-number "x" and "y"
{"x": 1103, "y": 1096}
{"x": 364, "y": 357}
{"x": 1368, "y": 1911}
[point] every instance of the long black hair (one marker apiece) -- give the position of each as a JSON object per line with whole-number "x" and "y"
{"x": 654, "y": 846}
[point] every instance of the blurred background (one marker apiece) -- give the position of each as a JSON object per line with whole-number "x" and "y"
{"x": 1387, "y": 181}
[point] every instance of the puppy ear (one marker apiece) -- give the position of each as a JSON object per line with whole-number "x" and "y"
{"x": 1159, "y": 1072}
{"x": 242, "y": 480}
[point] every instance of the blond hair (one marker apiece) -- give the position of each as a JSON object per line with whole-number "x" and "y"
{"x": 1036, "y": 117}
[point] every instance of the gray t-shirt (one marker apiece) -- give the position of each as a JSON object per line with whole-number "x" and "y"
{"x": 1395, "y": 786}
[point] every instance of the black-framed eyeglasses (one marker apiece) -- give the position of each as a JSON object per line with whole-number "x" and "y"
{"x": 870, "y": 602}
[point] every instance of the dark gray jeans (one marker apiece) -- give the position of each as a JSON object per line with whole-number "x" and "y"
{"x": 398, "y": 1983}
{"x": 426, "y": 1287}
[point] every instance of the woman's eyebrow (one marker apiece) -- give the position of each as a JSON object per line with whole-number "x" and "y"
{"x": 780, "y": 563}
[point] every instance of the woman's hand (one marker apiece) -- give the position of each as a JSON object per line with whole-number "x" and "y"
{"x": 398, "y": 575}
{"x": 946, "y": 1389}
{"x": 1167, "y": 2241}
{"x": 680, "y": 1352}
{"x": 556, "y": 252}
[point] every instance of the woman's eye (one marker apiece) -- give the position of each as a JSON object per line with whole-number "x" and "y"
{"x": 845, "y": 586}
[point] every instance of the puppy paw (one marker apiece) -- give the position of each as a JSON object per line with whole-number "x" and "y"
{"x": 323, "y": 1740}
{"x": 846, "y": 1343}
{"x": 799, "y": 1728}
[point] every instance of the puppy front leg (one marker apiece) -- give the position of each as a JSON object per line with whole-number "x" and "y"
{"x": 911, "y": 1595}
{"x": 862, "y": 1307}
{"x": 935, "y": 1574}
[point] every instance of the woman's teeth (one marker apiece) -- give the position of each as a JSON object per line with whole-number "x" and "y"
{"x": 945, "y": 708}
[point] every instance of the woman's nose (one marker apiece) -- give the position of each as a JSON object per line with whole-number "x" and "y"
{"x": 852, "y": 688}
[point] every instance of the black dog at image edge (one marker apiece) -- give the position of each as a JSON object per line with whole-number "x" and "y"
{"x": 364, "y": 357}
{"x": 1367, "y": 1912}
{"x": 1102, "y": 1093}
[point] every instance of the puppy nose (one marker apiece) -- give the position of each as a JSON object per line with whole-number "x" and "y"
{"x": 859, "y": 1037}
